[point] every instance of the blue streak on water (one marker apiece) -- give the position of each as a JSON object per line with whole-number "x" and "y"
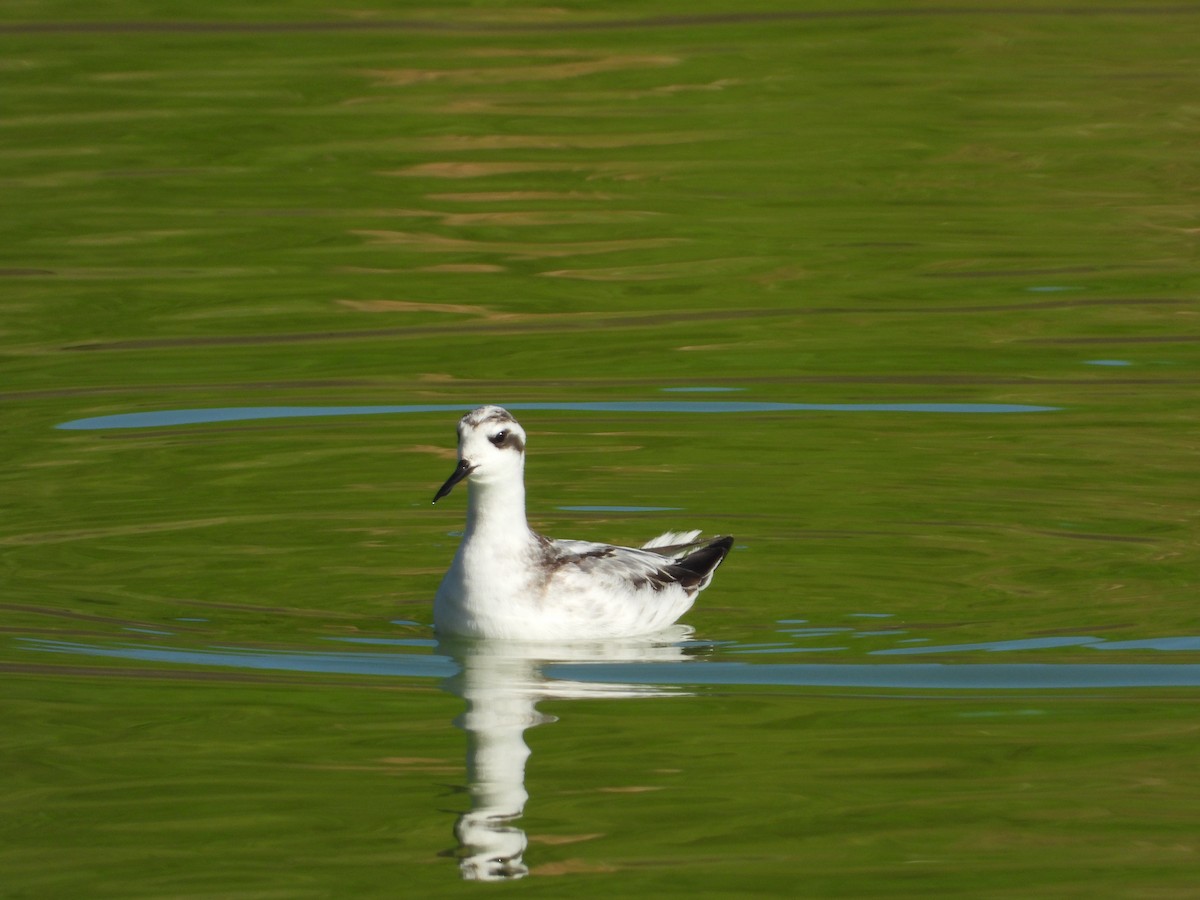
{"x": 814, "y": 632}
{"x": 1042, "y": 643}
{"x": 1161, "y": 643}
{"x": 171, "y": 417}
{"x": 387, "y": 664}
{"x": 386, "y": 642}
{"x": 790, "y": 650}
{"x": 984, "y": 676}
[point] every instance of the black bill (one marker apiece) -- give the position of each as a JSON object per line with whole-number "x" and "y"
{"x": 463, "y": 470}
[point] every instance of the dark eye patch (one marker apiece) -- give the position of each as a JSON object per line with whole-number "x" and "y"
{"x": 507, "y": 440}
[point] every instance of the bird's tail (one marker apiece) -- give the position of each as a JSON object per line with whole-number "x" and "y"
{"x": 696, "y": 570}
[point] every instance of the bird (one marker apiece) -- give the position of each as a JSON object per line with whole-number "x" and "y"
{"x": 509, "y": 582}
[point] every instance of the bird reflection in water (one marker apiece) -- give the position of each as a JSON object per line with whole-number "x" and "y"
{"x": 502, "y": 682}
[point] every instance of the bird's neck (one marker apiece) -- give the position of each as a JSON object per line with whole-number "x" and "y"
{"x": 497, "y": 509}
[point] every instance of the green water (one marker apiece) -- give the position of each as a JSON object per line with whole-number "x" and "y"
{"x": 218, "y": 674}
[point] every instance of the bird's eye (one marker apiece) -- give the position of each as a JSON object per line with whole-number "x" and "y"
{"x": 499, "y": 437}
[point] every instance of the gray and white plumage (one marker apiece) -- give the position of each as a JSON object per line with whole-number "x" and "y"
{"x": 509, "y": 582}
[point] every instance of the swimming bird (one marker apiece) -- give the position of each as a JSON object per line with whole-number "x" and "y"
{"x": 509, "y": 582}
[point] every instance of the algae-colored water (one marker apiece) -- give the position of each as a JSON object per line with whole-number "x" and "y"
{"x": 902, "y": 297}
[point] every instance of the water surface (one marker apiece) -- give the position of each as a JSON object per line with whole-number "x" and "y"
{"x": 904, "y": 299}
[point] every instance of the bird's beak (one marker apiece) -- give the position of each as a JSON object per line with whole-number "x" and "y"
{"x": 464, "y": 469}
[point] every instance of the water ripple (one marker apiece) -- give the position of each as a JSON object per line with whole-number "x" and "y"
{"x": 962, "y": 676}
{"x": 171, "y": 417}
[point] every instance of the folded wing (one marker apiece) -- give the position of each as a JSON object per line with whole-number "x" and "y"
{"x": 663, "y": 562}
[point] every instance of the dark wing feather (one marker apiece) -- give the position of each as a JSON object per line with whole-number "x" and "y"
{"x": 695, "y": 570}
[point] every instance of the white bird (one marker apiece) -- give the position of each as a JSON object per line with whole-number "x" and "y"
{"x": 509, "y": 582}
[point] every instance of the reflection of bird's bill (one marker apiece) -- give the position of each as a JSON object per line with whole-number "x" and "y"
{"x": 464, "y": 469}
